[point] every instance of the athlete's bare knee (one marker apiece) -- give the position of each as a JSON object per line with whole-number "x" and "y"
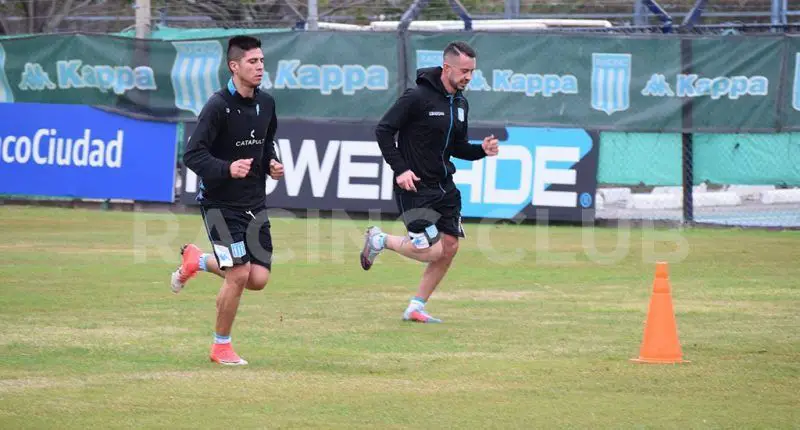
{"x": 449, "y": 246}
{"x": 431, "y": 253}
{"x": 237, "y": 276}
{"x": 256, "y": 285}
{"x": 259, "y": 277}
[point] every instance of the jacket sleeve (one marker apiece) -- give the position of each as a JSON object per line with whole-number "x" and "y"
{"x": 197, "y": 156}
{"x": 462, "y": 148}
{"x": 393, "y": 120}
{"x": 269, "y": 146}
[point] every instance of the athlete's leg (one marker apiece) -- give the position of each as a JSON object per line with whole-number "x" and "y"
{"x": 421, "y": 243}
{"x": 259, "y": 249}
{"x": 228, "y": 297}
{"x": 228, "y": 300}
{"x": 436, "y": 270}
{"x": 209, "y": 264}
{"x": 449, "y": 225}
{"x": 227, "y": 230}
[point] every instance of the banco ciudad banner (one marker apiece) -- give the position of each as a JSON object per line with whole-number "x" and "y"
{"x": 83, "y": 152}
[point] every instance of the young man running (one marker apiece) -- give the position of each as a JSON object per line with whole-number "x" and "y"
{"x": 231, "y": 151}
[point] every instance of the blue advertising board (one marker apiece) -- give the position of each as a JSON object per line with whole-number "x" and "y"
{"x": 539, "y": 173}
{"x": 83, "y": 152}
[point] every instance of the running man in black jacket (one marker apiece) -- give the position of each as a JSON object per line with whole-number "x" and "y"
{"x": 232, "y": 152}
{"x": 431, "y": 120}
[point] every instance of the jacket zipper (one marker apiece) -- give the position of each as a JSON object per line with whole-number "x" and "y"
{"x": 447, "y": 141}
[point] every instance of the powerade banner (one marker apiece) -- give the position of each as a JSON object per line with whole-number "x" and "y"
{"x": 539, "y": 172}
{"x": 82, "y": 152}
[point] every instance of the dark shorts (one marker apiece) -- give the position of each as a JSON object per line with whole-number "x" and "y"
{"x": 239, "y": 237}
{"x": 431, "y": 206}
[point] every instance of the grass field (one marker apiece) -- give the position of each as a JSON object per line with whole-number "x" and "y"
{"x": 540, "y": 324}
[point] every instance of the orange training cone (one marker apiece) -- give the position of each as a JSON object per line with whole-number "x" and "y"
{"x": 660, "y": 343}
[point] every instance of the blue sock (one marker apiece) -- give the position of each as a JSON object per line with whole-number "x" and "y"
{"x": 417, "y": 302}
{"x": 221, "y": 339}
{"x": 379, "y": 241}
{"x": 202, "y": 262}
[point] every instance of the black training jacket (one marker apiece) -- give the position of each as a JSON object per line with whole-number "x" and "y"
{"x": 231, "y": 127}
{"x": 431, "y": 126}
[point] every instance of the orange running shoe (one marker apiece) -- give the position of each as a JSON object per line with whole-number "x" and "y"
{"x": 190, "y": 265}
{"x": 223, "y": 353}
{"x": 419, "y": 315}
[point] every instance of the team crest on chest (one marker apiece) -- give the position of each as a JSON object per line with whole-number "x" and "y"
{"x": 461, "y": 114}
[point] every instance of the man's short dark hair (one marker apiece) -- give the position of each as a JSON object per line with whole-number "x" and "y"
{"x": 238, "y": 45}
{"x": 457, "y": 48}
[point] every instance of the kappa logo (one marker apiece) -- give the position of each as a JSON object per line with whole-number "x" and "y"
{"x": 796, "y": 88}
{"x": 611, "y": 82}
{"x": 195, "y": 73}
{"x": 253, "y": 133}
{"x": 428, "y": 58}
{"x": 6, "y": 95}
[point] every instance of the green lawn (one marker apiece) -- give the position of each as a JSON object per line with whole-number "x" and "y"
{"x": 540, "y": 324}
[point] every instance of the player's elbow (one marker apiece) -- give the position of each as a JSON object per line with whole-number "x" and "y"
{"x": 384, "y": 132}
{"x": 190, "y": 159}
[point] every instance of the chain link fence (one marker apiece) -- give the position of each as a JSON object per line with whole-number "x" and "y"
{"x": 720, "y": 179}
{"x": 738, "y": 179}
{"x": 108, "y": 16}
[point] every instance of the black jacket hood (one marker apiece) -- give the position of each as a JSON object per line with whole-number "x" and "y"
{"x": 431, "y": 77}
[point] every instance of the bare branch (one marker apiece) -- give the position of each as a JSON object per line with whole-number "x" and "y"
{"x": 30, "y": 10}
{"x": 81, "y": 6}
{"x": 4, "y": 28}
{"x": 294, "y": 9}
{"x": 353, "y": 3}
{"x": 52, "y": 8}
{"x": 53, "y": 21}
{"x": 218, "y": 13}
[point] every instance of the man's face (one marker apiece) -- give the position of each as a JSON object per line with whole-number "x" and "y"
{"x": 250, "y": 68}
{"x": 458, "y": 70}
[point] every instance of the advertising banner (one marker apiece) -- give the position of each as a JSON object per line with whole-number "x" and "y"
{"x": 539, "y": 172}
{"x": 82, "y": 152}
{"x": 635, "y": 83}
{"x": 341, "y": 75}
{"x": 791, "y": 99}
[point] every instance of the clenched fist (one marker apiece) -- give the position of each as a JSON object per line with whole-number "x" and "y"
{"x": 240, "y": 168}
{"x": 490, "y": 145}
{"x": 275, "y": 169}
